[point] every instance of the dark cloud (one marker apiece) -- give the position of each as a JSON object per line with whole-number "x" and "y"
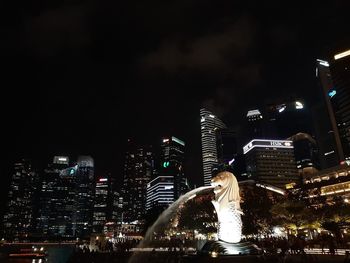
{"x": 55, "y": 30}
{"x": 283, "y": 35}
{"x": 221, "y": 102}
{"x": 216, "y": 57}
{"x": 214, "y": 51}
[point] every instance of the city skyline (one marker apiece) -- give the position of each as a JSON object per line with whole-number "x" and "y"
{"x": 73, "y": 204}
{"x": 76, "y": 89}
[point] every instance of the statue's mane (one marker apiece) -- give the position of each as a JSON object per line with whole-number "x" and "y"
{"x": 229, "y": 193}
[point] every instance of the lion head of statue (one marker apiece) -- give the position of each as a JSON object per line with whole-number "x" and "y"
{"x": 226, "y": 188}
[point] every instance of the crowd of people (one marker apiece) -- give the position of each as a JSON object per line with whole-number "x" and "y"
{"x": 298, "y": 245}
{"x": 279, "y": 250}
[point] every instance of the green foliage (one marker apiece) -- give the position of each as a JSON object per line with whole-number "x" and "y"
{"x": 256, "y": 208}
{"x": 292, "y": 214}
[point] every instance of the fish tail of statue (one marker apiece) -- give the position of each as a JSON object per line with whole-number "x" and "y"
{"x": 230, "y": 228}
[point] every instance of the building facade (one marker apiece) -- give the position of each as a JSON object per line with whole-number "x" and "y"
{"x": 286, "y": 118}
{"x": 255, "y": 124}
{"x": 138, "y": 169}
{"x": 227, "y": 150}
{"x": 327, "y": 134}
{"x": 66, "y": 199}
{"x": 271, "y": 162}
{"x": 172, "y": 163}
{"x": 19, "y": 218}
{"x": 117, "y": 206}
{"x": 209, "y": 125}
{"x": 327, "y": 184}
{"x": 305, "y": 153}
{"x": 160, "y": 192}
{"x": 57, "y": 200}
{"x": 340, "y": 98}
{"x": 84, "y": 200}
{"x": 102, "y": 204}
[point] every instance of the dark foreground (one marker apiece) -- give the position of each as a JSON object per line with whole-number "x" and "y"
{"x": 171, "y": 257}
{"x": 68, "y": 255}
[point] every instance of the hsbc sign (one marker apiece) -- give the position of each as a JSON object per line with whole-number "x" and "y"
{"x": 267, "y": 143}
{"x": 276, "y": 143}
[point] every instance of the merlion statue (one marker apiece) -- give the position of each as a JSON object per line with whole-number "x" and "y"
{"x": 227, "y": 206}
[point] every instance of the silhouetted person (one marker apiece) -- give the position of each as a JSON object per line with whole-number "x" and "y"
{"x": 347, "y": 257}
{"x": 332, "y": 247}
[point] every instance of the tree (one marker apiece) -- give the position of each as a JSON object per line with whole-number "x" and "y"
{"x": 256, "y": 207}
{"x": 334, "y": 215}
{"x": 198, "y": 214}
{"x": 292, "y": 214}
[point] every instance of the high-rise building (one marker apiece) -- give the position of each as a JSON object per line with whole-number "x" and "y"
{"x": 255, "y": 124}
{"x": 172, "y": 163}
{"x": 160, "y": 192}
{"x": 138, "y": 170}
{"x": 327, "y": 134}
{"x": 169, "y": 182}
{"x": 279, "y": 119}
{"x": 84, "y": 201}
{"x": 57, "y": 195}
{"x": 271, "y": 161}
{"x": 102, "y": 204}
{"x": 209, "y": 125}
{"x": 227, "y": 151}
{"x": 19, "y": 218}
{"x": 226, "y": 140}
{"x": 305, "y": 153}
{"x": 340, "y": 99}
{"x": 66, "y": 199}
{"x": 286, "y": 118}
{"x": 117, "y": 207}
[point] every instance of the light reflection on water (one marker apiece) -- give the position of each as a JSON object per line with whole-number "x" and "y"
{"x": 56, "y": 254}
{"x": 27, "y": 260}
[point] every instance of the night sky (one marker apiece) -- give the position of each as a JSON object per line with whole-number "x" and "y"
{"x": 80, "y": 77}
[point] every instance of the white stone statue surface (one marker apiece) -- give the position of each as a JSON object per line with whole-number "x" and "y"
{"x": 227, "y": 206}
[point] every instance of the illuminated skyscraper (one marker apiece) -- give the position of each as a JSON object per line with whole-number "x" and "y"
{"x": 66, "y": 199}
{"x": 117, "y": 206}
{"x": 271, "y": 162}
{"x": 160, "y": 192}
{"x": 255, "y": 124}
{"x": 327, "y": 134}
{"x": 172, "y": 163}
{"x": 170, "y": 182}
{"x": 19, "y": 218}
{"x": 226, "y": 140}
{"x": 57, "y": 196}
{"x": 102, "y": 204}
{"x": 286, "y": 118}
{"x": 335, "y": 79}
{"x": 209, "y": 125}
{"x": 138, "y": 169}
{"x": 85, "y": 191}
{"x": 340, "y": 99}
{"x": 306, "y": 154}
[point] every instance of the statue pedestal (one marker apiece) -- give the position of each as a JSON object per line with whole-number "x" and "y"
{"x": 216, "y": 248}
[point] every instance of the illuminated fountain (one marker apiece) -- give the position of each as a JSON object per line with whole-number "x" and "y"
{"x": 227, "y": 206}
{"x": 164, "y": 219}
